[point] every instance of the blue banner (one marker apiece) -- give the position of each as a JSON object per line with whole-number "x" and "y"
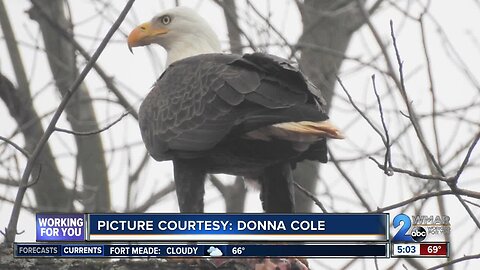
{"x": 60, "y": 227}
{"x": 238, "y": 227}
{"x": 210, "y": 250}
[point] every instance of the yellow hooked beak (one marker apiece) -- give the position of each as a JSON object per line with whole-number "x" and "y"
{"x": 144, "y": 34}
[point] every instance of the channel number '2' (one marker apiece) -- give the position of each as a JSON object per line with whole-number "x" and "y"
{"x": 401, "y": 235}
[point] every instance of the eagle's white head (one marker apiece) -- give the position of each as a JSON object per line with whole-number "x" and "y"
{"x": 181, "y": 31}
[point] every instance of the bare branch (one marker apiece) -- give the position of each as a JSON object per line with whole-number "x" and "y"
{"x": 421, "y": 197}
{"x": 218, "y": 184}
{"x": 412, "y": 173}
{"x": 432, "y": 88}
{"x": 16, "y": 146}
{"x": 388, "y": 156}
{"x": 231, "y": 17}
{"x": 350, "y": 182}
{"x": 411, "y": 113}
{"x": 154, "y": 198}
{"x": 467, "y": 157}
{"x": 311, "y": 196}
{"x": 87, "y": 133}
{"x": 361, "y": 112}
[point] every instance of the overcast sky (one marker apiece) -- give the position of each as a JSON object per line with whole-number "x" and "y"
{"x": 136, "y": 73}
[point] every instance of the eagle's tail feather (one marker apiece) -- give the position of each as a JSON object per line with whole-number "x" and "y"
{"x": 303, "y": 131}
{"x": 319, "y": 129}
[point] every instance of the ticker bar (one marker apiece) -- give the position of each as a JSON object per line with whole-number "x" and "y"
{"x": 201, "y": 250}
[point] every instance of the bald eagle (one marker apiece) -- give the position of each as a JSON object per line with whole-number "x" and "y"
{"x": 254, "y": 115}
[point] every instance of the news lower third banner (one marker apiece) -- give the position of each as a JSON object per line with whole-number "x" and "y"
{"x": 212, "y": 227}
{"x": 208, "y": 250}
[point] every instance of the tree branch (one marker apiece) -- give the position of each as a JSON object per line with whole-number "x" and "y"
{"x": 12, "y": 225}
{"x": 88, "y": 133}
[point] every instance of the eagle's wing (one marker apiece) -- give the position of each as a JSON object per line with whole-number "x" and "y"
{"x": 200, "y": 100}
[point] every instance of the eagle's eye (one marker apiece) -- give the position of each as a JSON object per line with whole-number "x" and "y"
{"x": 165, "y": 19}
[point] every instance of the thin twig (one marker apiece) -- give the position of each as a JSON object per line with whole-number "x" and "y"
{"x": 361, "y": 112}
{"x": 349, "y": 181}
{"x": 30, "y": 209}
{"x": 135, "y": 175}
{"x": 375, "y": 6}
{"x": 411, "y": 113}
{"x": 87, "y": 133}
{"x": 388, "y": 156}
{"x": 420, "y": 197}
{"x": 311, "y": 196}
{"x": 412, "y": 173}
{"x": 8, "y": 182}
{"x": 35, "y": 181}
{"x": 277, "y": 32}
{"x": 231, "y": 17}
{"x": 333, "y": 52}
{"x": 218, "y": 185}
{"x": 400, "y": 83}
{"x": 432, "y": 88}
{"x": 465, "y": 205}
{"x": 154, "y": 198}
{"x": 378, "y": 39}
{"x": 16, "y": 146}
{"x": 467, "y": 157}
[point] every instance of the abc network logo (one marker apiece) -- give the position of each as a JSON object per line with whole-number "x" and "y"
{"x": 435, "y": 225}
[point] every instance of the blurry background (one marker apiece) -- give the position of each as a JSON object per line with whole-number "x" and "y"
{"x": 44, "y": 44}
